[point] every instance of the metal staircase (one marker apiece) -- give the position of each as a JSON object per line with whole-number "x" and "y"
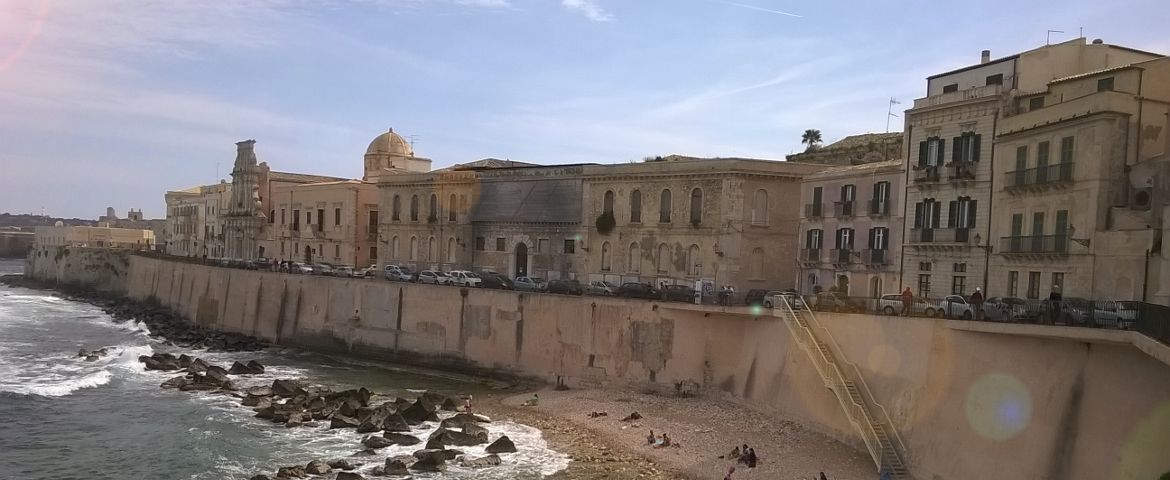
{"x": 868, "y": 418}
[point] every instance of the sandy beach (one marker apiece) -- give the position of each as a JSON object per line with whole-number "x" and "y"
{"x": 704, "y": 429}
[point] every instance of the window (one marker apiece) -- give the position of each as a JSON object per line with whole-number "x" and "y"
{"x": 433, "y": 212}
{"x": 309, "y": 218}
{"x": 881, "y": 198}
{"x": 958, "y": 285}
{"x": 320, "y": 219}
{"x": 570, "y": 245}
{"x": 959, "y": 268}
{"x": 336, "y": 216}
{"x": 663, "y": 258}
{"x": 272, "y": 216}
{"x": 480, "y": 244}
{"x": 394, "y": 248}
{"x": 372, "y": 222}
{"x": 879, "y": 238}
{"x": 1034, "y": 285}
{"x": 930, "y": 152}
{"x": 965, "y": 147}
{"x": 1105, "y": 84}
{"x": 844, "y": 239}
{"x": 926, "y": 214}
{"x": 1021, "y": 159}
{"x": 396, "y": 212}
{"x": 1038, "y": 223}
{"x": 1035, "y": 103}
{"x": 962, "y": 213}
{"x": 694, "y": 267}
{"x": 696, "y": 206}
{"x": 1066, "y": 149}
{"x": 664, "y": 207}
{"x": 282, "y": 222}
{"x": 296, "y": 226}
{"x": 451, "y": 250}
{"x": 500, "y": 244}
{"x": 924, "y": 285}
{"x": 813, "y": 239}
{"x": 1042, "y": 155}
{"x": 432, "y": 251}
{"x": 542, "y": 245}
{"x": 605, "y": 257}
{"x": 451, "y": 211}
{"x": 414, "y": 208}
{"x": 760, "y": 207}
{"x": 373, "y": 253}
{"x": 636, "y": 206}
{"x": 635, "y": 263}
{"x": 336, "y": 251}
{"x": 1058, "y": 281}
{"x": 1013, "y": 284}
{"x": 996, "y": 79}
{"x": 848, "y": 195}
{"x": 607, "y": 202}
{"x": 924, "y": 266}
{"x": 413, "y": 248}
{"x": 954, "y": 87}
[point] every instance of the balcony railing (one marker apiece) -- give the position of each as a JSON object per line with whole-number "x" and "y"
{"x": 1054, "y": 244}
{"x": 842, "y": 255}
{"x": 812, "y": 255}
{"x": 958, "y": 96}
{"x": 879, "y": 208}
{"x": 814, "y": 210}
{"x": 926, "y": 174}
{"x": 940, "y": 235}
{"x": 843, "y": 209}
{"x": 876, "y": 257}
{"x": 958, "y": 171}
{"x": 1046, "y": 175}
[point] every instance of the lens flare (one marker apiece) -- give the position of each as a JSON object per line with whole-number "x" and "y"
{"x": 1144, "y": 454}
{"x": 36, "y": 23}
{"x": 998, "y": 406}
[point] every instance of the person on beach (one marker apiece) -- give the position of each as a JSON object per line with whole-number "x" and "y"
{"x": 742, "y": 457}
{"x": 531, "y": 402}
{"x": 650, "y": 438}
{"x": 734, "y": 454}
{"x": 751, "y": 456}
{"x": 730, "y": 470}
{"x": 823, "y": 477}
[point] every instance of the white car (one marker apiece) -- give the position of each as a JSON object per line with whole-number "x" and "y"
{"x": 434, "y": 278}
{"x": 891, "y": 304}
{"x": 955, "y": 306}
{"x": 774, "y": 299}
{"x": 464, "y": 278}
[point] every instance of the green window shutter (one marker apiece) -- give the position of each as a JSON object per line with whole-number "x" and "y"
{"x": 956, "y": 149}
{"x": 975, "y": 148}
{"x": 942, "y": 148}
{"x": 918, "y": 215}
{"x": 953, "y": 214}
{"x": 971, "y": 214}
{"x": 922, "y": 154}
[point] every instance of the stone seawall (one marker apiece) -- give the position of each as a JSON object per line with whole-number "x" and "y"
{"x": 967, "y": 404}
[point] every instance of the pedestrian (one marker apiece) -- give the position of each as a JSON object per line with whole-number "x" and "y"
{"x": 823, "y": 477}
{"x": 977, "y": 304}
{"x": 907, "y": 300}
{"x": 730, "y": 470}
{"x": 1054, "y": 300}
{"x": 751, "y": 463}
{"x": 650, "y": 438}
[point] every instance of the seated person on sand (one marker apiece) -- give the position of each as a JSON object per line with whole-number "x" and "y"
{"x": 531, "y": 402}
{"x": 650, "y": 438}
{"x": 662, "y": 442}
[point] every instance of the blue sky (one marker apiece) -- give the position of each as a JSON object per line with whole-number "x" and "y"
{"x": 112, "y": 102}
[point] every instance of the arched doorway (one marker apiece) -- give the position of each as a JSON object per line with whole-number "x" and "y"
{"x": 521, "y": 260}
{"x": 308, "y": 254}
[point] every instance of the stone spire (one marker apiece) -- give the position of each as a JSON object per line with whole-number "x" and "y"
{"x": 245, "y": 217}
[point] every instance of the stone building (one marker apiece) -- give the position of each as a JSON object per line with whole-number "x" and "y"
{"x": 94, "y": 237}
{"x": 1080, "y": 195}
{"x": 950, "y": 134}
{"x": 851, "y": 223}
{"x": 245, "y": 216}
{"x": 332, "y": 222}
{"x": 193, "y": 225}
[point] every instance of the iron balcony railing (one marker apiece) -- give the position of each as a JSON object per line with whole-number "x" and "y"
{"x": 814, "y": 210}
{"x": 810, "y": 255}
{"x": 961, "y": 171}
{"x": 842, "y": 255}
{"x": 879, "y": 208}
{"x": 1046, "y": 175}
{"x": 843, "y": 209}
{"x": 1034, "y": 244}
{"x": 940, "y": 235}
{"x": 876, "y": 256}
{"x": 926, "y": 174}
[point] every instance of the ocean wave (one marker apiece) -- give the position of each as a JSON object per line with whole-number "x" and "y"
{"x": 60, "y": 388}
{"x": 60, "y": 375}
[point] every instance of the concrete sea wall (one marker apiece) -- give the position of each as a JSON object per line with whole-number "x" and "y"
{"x": 967, "y": 404}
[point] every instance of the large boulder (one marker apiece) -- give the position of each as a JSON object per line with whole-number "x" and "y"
{"x": 432, "y": 398}
{"x": 260, "y": 391}
{"x": 418, "y": 412}
{"x": 435, "y": 452}
{"x": 451, "y": 404}
{"x": 374, "y": 441}
{"x": 252, "y": 368}
{"x": 459, "y": 439}
{"x": 287, "y": 388}
{"x": 218, "y": 376}
{"x": 349, "y": 476}
{"x": 461, "y": 419}
{"x": 394, "y": 467}
{"x": 342, "y": 421}
{"x": 401, "y": 438}
{"x": 501, "y": 445}
{"x": 176, "y": 382}
{"x": 197, "y": 365}
{"x": 291, "y": 472}
{"x": 395, "y": 423}
{"x": 317, "y": 467}
{"x": 295, "y": 420}
{"x": 476, "y": 430}
{"x": 488, "y": 461}
{"x": 341, "y": 464}
{"x": 160, "y": 361}
{"x": 428, "y": 464}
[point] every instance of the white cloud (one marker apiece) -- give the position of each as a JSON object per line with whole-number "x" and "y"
{"x": 588, "y": 8}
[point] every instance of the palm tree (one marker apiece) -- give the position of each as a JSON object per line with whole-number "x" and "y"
{"x": 811, "y": 137}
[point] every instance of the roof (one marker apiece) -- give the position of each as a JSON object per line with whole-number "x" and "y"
{"x": 861, "y": 168}
{"x": 338, "y": 182}
{"x": 390, "y": 143}
{"x": 1096, "y": 72}
{"x": 490, "y": 163}
{"x": 972, "y": 67}
{"x": 301, "y": 177}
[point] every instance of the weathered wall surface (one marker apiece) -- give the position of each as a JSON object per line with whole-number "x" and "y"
{"x": 967, "y": 404}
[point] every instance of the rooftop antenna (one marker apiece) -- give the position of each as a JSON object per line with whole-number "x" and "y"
{"x": 1048, "y": 39}
{"x": 412, "y": 139}
{"x": 890, "y": 112}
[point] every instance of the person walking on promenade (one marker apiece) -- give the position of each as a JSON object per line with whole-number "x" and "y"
{"x": 907, "y": 300}
{"x": 977, "y": 304}
{"x": 1054, "y": 299}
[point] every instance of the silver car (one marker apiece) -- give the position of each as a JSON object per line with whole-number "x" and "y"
{"x": 601, "y": 288}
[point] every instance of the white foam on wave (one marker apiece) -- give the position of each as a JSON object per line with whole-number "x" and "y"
{"x": 54, "y": 387}
{"x": 60, "y": 375}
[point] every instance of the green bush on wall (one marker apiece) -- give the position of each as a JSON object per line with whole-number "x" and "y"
{"x": 605, "y": 223}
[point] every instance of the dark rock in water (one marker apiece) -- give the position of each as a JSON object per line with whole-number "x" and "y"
{"x": 287, "y": 388}
{"x": 291, "y": 472}
{"x": 218, "y": 376}
{"x": 294, "y": 420}
{"x": 461, "y": 419}
{"x": 255, "y": 401}
{"x": 475, "y": 430}
{"x": 428, "y": 464}
{"x": 434, "y": 443}
{"x": 260, "y": 477}
{"x": 266, "y": 413}
{"x": 185, "y": 360}
{"x": 395, "y": 423}
{"x": 349, "y": 476}
{"x": 251, "y": 368}
{"x": 342, "y": 421}
{"x": 451, "y": 437}
{"x": 317, "y": 467}
{"x": 238, "y": 369}
{"x": 197, "y": 365}
{"x": 199, "y": 382}
{"x": 261, "y": 391}
{"x": 348, "y": 408}
{"x": 176, "y": 382}
{"x": 418, "y": 412}
{"x": 432, "y": 398}
{"x": 401, "y": 438}
{"x": 501, "y": 445}
{"x": 255, "y": 367}
{"x": 160, "y": 361}
{"x": 435, "y": 452}
{"x": 91, "y": 358}
{"x": 395, "y": 467}
{"x": 341, "y": 464}
{"x": 488, "y": 461}
{"x": 374, "y": 441}
{"x": 450, "y": 404}
{"x": 365, "y": 453}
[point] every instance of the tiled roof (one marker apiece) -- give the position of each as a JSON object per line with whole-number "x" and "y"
{"x": 1094, "y": 72}
{"x": 301, "y": 177}
{"x": 490, "y": 163}
{"x": 845, "y": 170}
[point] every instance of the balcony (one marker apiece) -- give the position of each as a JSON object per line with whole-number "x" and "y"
{"x": 940, "y": 235}
{"x": 875, "y": 257}
{"x": 810, "y": 255}
{"x": 814, "y": 210}
{"x": 372, "y": 236}
{"x": 1034, "y": 244}
{"x": 927, "y": 174}
{"x": 958, "y": 96}
{"x": 961, "y": 171}
{"x": 879, "y": 208}
{"x": 1039, "y": 177}
{"x": 843, "y": 209}
{"x": 843, "y": 256}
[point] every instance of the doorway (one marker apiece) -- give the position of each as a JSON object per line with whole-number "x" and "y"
{"x": 521, "y": 260}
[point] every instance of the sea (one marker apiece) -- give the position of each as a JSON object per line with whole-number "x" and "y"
{"x": 62, "y": 417}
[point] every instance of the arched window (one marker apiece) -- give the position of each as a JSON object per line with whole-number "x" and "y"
{"x": 413, "y": 249}
{"x": 433, "y": 213}
{"x": 607, "y": 203}
{"x": 760, "y": 207}
{"x": 605, "y": 257}
{"x": 432, "y": 252}
{"x": 663, "y": 258}
{"x": 451, "y": 250}
{"x": 694, "y": 265}
{"x": 396, "y": 214}
{"x": 757, "y": 264}
{"x": 635, "y": 263}
{"x": 636, "y": 206}
{"x": 696, "y": 206}
{"x": 394, "y": 248}
{"x": 451, "y": 208}
{"x": 414, "y": 208}
{"x": 664, "y": 207}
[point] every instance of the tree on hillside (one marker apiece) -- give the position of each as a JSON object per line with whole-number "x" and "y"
{"x": 812, "y": 138}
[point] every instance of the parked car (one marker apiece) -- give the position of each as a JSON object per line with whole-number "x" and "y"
{"x": 262, "y": 263}
{"x": 342, "y": 271}
{"x": 638, "y": 290}
{"x": 567, "y": 287}
{"x": 774, "y": 299}
{"x": 956, "y": 306}
{"x": 398, "y": 274}
{"x": 298, "y": 267}
{"x": 370, "y": 271}
{"x": 529, "y": 284}
{"x": 754, "y": 296}
{"x": 678, "y": 293}
{"x": 464, "y": 278}
{"x": 601, "y": 288}
{"x": 891, "y": 304}
{"x": 1082, "y": 312}
{"x": 322, "y": 269}
{"x": 834, "y": 302}
{"x": 1012, "y": 309}
{"x": 496, "y": 281}
{"x": 432, "y": 277}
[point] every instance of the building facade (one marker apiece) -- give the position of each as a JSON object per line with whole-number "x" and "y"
{"x": 851, "y": 223}
{"x": 94, "y": 237}
{"x": 331, "y": 222}
{"x": 193, "y": 227}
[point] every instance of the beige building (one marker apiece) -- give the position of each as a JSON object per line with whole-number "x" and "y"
{"x": 1080, "y": 197}
{"x": 94, "y": 237}
{"x": 333, "y": 222}
{"x": 950, "y": 135}
{"x": 851, "y": 222}
{"x": 193, "y": 226}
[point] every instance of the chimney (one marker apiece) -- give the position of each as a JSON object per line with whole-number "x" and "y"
{"x": 985, "y": 56}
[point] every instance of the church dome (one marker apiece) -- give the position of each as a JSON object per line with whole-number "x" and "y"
{"x": 390, "y": 143}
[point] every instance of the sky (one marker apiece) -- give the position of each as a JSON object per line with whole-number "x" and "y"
{"x": 113, "y": 102}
